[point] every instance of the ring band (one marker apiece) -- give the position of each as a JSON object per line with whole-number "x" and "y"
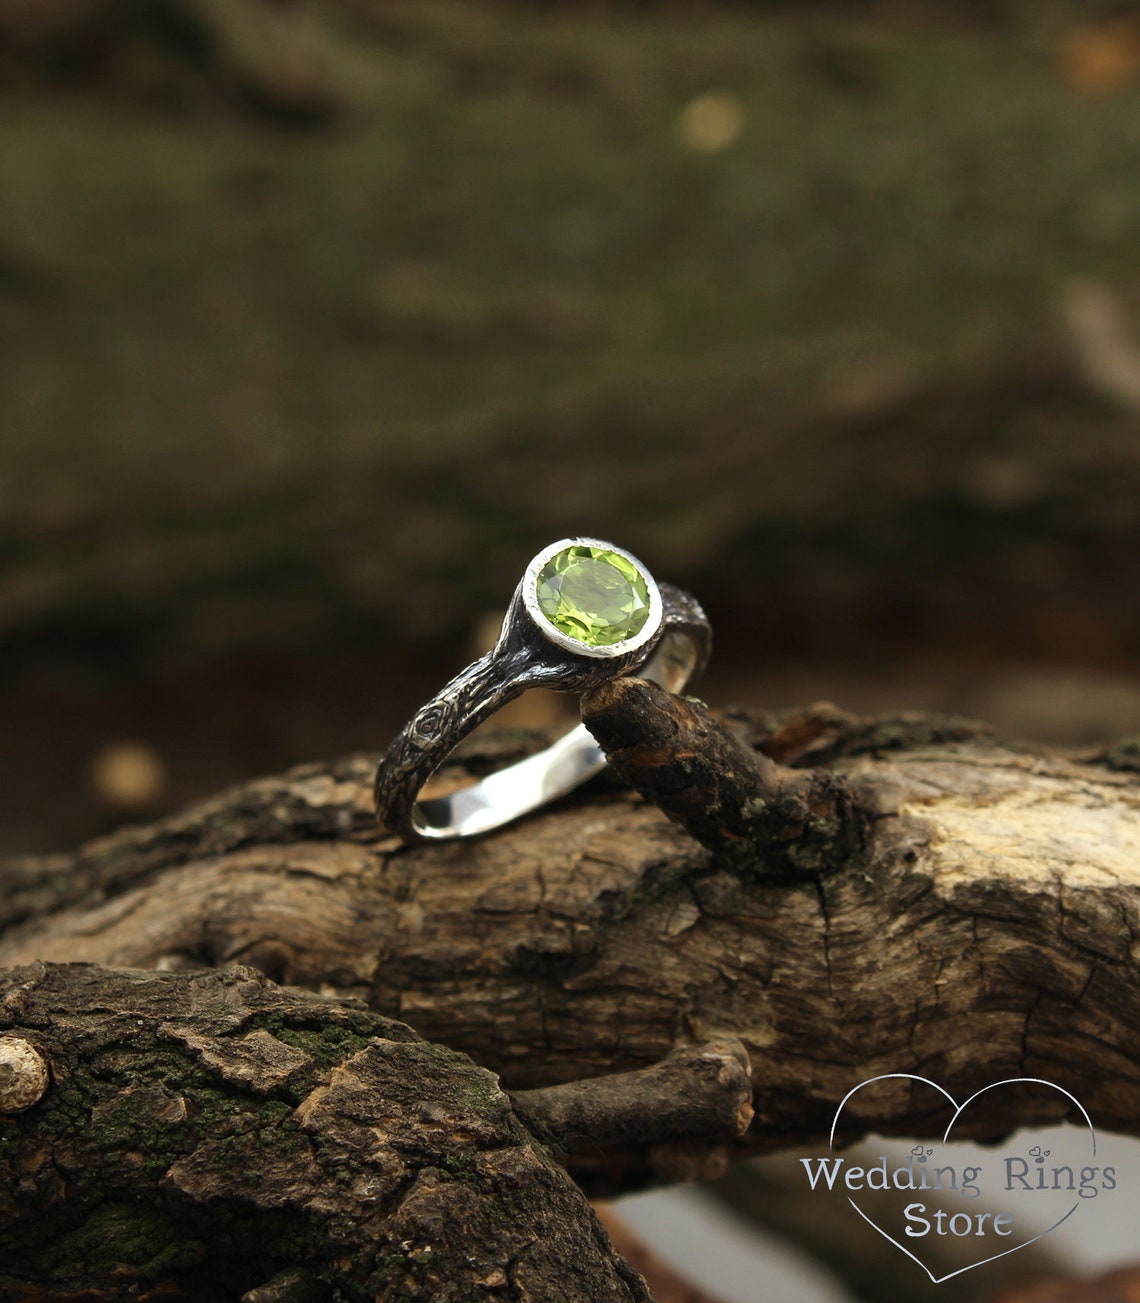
{"x": 585, "y": 611}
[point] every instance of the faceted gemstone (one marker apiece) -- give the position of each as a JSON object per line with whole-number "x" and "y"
{"x": 593, "y": 595}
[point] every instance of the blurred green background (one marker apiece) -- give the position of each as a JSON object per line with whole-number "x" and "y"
{"x": 318, "y": 319}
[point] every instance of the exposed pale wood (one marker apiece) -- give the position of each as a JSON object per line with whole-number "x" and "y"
{"x": 985, "y": 926}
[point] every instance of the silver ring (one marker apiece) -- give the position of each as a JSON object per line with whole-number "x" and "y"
{"x": 584, "y": 612}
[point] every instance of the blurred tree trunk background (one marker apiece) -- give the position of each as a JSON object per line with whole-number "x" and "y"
{"x": 317, "y": 319}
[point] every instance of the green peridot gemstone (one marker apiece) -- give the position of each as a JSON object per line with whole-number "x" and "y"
{"x": 593, "y": 595}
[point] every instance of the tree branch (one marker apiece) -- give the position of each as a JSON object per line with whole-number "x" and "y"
{"x": 695, "y": 1093}
{"x": 968, "y": 911}
{"x": 752, "y": 813}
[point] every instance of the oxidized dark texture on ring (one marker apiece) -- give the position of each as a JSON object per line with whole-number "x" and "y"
{"x": 584, "y": 612}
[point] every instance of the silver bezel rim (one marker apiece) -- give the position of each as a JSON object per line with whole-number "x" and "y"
{"x": 649, "y": 630}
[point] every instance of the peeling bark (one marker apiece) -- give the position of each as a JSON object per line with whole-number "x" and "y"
{"x": 982, "y": 924}
{"x": 210, "y": 1136}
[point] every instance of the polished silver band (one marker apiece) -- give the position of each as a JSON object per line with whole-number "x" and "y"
{"x": 672, "y": 647}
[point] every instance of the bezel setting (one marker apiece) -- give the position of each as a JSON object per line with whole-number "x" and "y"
{"x": 529, "y": 593}
{"x": 533, "y": 652}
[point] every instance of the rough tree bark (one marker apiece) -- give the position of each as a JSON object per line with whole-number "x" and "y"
{"x": 212, "y": 1136}
{"x": 884, "y": 895}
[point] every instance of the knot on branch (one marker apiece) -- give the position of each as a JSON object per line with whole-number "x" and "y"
{"x": 749, "y": 811}
{"x": 23, "y": 1074}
